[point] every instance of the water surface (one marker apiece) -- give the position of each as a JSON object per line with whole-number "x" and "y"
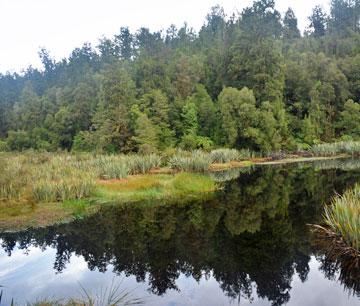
{"x": 249, "y": 243}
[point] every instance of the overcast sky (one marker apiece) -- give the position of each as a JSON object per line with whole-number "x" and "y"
{"x": 62, "y": 25}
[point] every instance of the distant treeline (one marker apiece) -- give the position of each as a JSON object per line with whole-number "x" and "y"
{"x": 245, "y": 81}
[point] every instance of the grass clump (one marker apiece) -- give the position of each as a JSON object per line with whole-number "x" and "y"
{"x": 196, "y": 161}
{"x": 342, "y": 217}
{"x": 110, "y": 167}
{"x": 141, "y": 164}
{"x": 336, "y": 148}
{"x": 227, "y": 155}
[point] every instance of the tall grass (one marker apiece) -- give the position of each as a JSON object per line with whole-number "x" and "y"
{"x": 342, "y": 147}
{"x": 196, "y": 161}
{"x": 109, "y": 167}
{"x": 141, "y": 164}
{"x": 228, "y": 155}
{"x": 343, "y": 217}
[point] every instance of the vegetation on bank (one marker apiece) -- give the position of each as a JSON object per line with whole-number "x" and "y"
{"x": 42, "y": 188}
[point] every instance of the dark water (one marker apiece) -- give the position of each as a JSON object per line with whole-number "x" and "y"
{"x": 248, "y": 244}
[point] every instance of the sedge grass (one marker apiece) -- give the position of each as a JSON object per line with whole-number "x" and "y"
{"x": 342, "y": 217}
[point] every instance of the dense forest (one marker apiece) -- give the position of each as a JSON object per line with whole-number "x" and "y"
{"x": 250, "y": 80}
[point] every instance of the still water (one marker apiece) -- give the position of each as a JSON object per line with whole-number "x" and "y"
{"x": 249, "y": 243}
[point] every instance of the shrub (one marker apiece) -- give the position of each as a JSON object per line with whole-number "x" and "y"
{"x": 18, "y": 140}
{"x": 3, "y": 146}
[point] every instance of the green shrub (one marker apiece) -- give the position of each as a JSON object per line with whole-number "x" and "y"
{"x": 3, "y": 146}
{"x": 18, "y": 140}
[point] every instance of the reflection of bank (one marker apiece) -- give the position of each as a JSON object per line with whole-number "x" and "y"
{"x": 338, "y": 260}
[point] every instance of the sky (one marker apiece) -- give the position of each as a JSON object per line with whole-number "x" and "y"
{"x": 62, "y": 25}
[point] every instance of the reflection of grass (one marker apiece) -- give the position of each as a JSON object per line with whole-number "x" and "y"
{"x": 113, "y": 295}
{"x": 145, "y": 187}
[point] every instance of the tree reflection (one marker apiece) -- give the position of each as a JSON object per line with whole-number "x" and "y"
{"x": 252, "y": 237}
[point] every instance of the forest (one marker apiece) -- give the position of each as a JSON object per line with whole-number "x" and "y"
{"x": 247, "y": 81}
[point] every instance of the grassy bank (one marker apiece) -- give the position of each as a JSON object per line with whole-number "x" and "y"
{"x": 37, "y": 189}
{"x": 42, "y": 189}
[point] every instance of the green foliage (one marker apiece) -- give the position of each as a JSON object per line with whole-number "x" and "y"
{"x": 84, "y": 141}
{"x": 145, "y": 136}
{"x": 349, "y": 120}
{"x": 18, "y": 140}
{"x": 3, "y": 146}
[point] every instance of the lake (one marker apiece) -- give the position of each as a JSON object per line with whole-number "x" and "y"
{"x": 249, "y": 243}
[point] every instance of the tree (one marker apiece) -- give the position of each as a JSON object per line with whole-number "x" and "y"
{"x": 349, "y": 120}
{"x": 238, "y": 113}
{"x": 206, "y": 111}
{"x": 125, "y": 43}
{"x": 145, "y": 135}
{"x": 318, "y": 21}
{"x": 155, "y": 104}
{"x": 189, "y": 119}
{"x": 290, "y": 30}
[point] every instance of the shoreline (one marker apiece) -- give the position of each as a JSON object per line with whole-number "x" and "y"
{"x": 157, "y": 184}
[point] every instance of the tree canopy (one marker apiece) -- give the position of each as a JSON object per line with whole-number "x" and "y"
{"x": 250, "y": 80}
